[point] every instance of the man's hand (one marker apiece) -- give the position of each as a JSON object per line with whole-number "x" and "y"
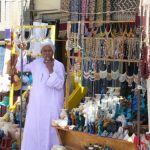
{"x": 49, "y": 65}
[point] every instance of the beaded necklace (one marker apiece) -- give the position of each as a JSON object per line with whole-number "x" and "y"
{"x": 84, "y": 5}
{"x": 125, "y": 33}
{"x": 25, "y": 37}
{"x": 96, "y": 75}
{"x": 102, "y": 50}
{"x": 130, "y": 77}
{"x": 115, "y": 74}
{"x": 125, "y": 50}
{"x": 120, "y": 29}
{"x": 135, "y": 73}
{"x": 123, "y": 75}
{"x": 103, "y": 70}
{"x": 108, "y": 9}
{"x": 102, "y": 31}
{"x": 107, "y": 30}
{"x": 109, "y": 78}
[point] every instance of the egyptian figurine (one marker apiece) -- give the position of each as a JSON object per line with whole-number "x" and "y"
{"x": 117, "y": 112}
{"x": 82, "y": 121}
{"x": 77, "y": 119}
{"x": 91, "y": 127}
{"x": 100, "y": 127}
{"x": 73, "y": 118}
{"x": 69, "y": 118}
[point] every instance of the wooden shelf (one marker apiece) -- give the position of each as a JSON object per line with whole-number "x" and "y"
{"x": 102, "y": 38}
{"x": 76, "y": 140}
{"x": 104, "y": 59}
{"x": 102, "y": 21}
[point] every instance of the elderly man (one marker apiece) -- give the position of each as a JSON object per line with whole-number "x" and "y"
{"x": 46, "y": 99}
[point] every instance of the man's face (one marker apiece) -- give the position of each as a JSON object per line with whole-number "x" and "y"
{"x": 47, "y": 53}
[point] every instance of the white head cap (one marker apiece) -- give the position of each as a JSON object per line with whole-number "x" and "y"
{"x": 47, "y": 42}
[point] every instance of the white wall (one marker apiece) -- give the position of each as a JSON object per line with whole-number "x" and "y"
{"x": 47, "y": 4}
{"x": 10, "y": 13}
{"x": 146, "y": 2}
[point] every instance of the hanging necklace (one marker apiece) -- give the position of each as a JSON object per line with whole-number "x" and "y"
{"x": 129, "y": 71}
{"x": 102, "y": 49}
{"x": 27, "y": 35}
{"x": 125, "y": 31}
{"x": 122, "y": 77}
{"x": 112, "y": 34}
{"x": 120, "y": 29}
{"x": 107, "y": 30}
{"x": 96, "y": 75}
{"x": 115, "y": 74}
{"x": 132, "y": 34}
{"x": 103, "y": 74}
{"x": 109, "y": 77}
{"x": 128, "y": 30}
{"x": 102, "y": 33}
{"x": 135, "y": 73}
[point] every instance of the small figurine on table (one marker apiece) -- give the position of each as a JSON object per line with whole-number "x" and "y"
{"x": 82, "y": 121}
{"x": 73, "y": 118}
{"x": 77, "y": 119}
{"x": 100, "y": 127}
{"x": 69, "y": 118}
{"x": 91, "y": 127}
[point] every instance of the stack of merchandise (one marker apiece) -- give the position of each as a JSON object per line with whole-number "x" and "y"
{"x": 105, "y": 115}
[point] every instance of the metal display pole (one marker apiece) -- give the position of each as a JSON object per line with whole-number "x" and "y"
{"x": 21, "y": 77}
{"x": 21, "y": 98}
{"x": 139, "y": 76}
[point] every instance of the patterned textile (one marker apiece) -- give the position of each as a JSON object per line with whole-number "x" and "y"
{"x": 65, "y": 6}
{"x": 130, "y": 5}
{"x": 75, "y": 8}
{"x": 108, "y": 9}
{"x": 91, "y": 6}
{"x": 104, "y": 9}
{"x": 84, "y": 2}
{"x": 99, "y": 8}
{"x": 145, "y": 55}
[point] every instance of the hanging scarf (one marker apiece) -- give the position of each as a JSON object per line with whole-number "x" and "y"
{"x": 91, "y": 10}
{"x": 99, "y": 9}
{"x": 2, "y": 55}
{"x": 75, "y": 9}
{"x": 145, "y": 54}
{"x": 84, "y": 2}
{"x": 65, "y": 6}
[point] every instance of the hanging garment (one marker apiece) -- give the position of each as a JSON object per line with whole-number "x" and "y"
{"x": 7, "y": 34}
{"x": 6, "y": 60}
{"x": 99, "y": 10}
{"x": 2, "y": 55}
{"x": 75, "y": 9}
{"x": 45, "y": 102}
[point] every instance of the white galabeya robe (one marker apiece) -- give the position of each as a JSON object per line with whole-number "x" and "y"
{"x": 45, "y": 102}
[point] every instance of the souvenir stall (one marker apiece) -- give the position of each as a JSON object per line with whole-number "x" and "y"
{"x": 107, "y": 72}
